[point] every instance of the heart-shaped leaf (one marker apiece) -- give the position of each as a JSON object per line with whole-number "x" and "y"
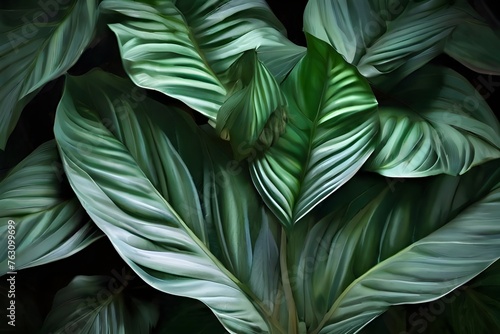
{"x": 434, "y": 122}
{"x": 330, "y": 134}
{"x": 31, "y": 54}
{"x": 39, "y": 215}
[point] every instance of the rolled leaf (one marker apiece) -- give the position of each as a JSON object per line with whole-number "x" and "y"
{"x": 255, "y": 113}
{"x": 171, "y": 51}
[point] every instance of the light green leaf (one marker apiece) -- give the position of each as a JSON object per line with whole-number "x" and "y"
{"x": 36, "y": 46}
{"x": 330, "y": 134}
{"x": 136, "y": 169}
{"x": 255, "y": 111}
{"x": 167, "y": 51}
{"x": 370, "y": 247}
{"x": 49, "y": 222}
{"x": 435, "y": 122}
{"x": 380, "y": 37}
{"x": 93, "y": 304}
{"x": 475, "y": 44}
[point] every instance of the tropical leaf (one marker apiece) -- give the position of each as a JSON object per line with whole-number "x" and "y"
{"x": 196, "y": 49}
{"x": 49, "y": 222}
{"x": 169, "y": 206}
{"x": 92, "y": 304}
{"x": 369, "y": 247}
{"x": 435, "y": 122}
{"x": 179, "y": 319}
{"x": 330, "y": 134}
{"x": 477, "y": 300}
{"x": 255, "y": 111}
{"x": 50, "y": 39}
{"x": 380, "y": 37}
{"x": 475, "y": 44}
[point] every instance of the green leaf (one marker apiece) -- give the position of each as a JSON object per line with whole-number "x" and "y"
{"x": 380, "y": 37}
{"x": 45, "y": 45}
{"x": 368, "y": 247}
{"x": 136, "y": 169}
{"x": 330, "y": 134}
{"x": 434, "y": 122}
{"x": 47, "y": 221}
{"x": 255, "y": 111}
{"x": 475, "y": 44}
{"x": 164, "y": 50}
{"x": 92, "y": 304}
{"x": 475, "y": 307}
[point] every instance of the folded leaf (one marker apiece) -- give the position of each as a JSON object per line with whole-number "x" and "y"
{"x": 434, "y": 122}
{"x": 91, "y": 304}
{"x": 49, "y": 222}
{"x": 330, "y": 134}
{"x": 31, "y": 54}
{"x": 380, "y": 37}
{"x": 254, "y": 114}
{"x": 376, "y": 247}
{"x": 167, "y": 51}
{"x": 136, "y": 169}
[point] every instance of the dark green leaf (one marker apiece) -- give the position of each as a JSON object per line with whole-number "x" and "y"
{"x": 36, "y": 46}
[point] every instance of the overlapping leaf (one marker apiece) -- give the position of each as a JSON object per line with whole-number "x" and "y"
{"x": 169, "y": 202}
{"x": 380, "y": 37}
{"x": 330, "y": 134}
{"x": 50, "y": 223}
{"x": 375, "y": 247}
{"x": 91, "y": 304}
{"x": 255, "y": 111}
{"x": 435, "y": 122}
{"x": 171, "y": 51}
{"x": 476, "y": 45}
{"x": 36, "y": 46}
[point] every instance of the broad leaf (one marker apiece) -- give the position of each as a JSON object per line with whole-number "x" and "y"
{"x": 93, "y": 304}
{"x": 476, "y": 45}
{"x": 167, "y": 51}
{"x": 168, "y": 201}
{"x": 36, "y": 46}
{"x": 49, "y": 222}
{"x": 254, "y": 114}
{"x": 376, "y": 247}
{"x": 434, "y": 122}
{"x": 330, "y": 134}
{"x": 381, "y": 37}
{"x": 474, "y": 307}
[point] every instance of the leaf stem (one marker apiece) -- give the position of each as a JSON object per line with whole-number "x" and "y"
{"x": 292, "y": 311}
